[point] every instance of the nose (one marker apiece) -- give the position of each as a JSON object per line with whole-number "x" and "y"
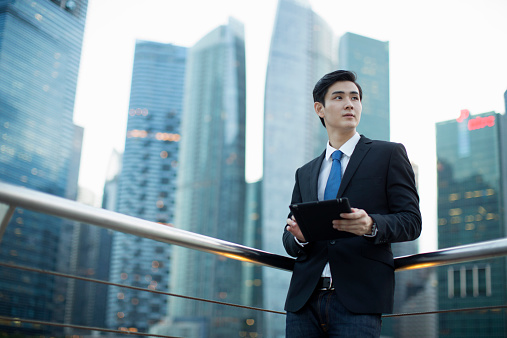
{"x": 348, "y": 104}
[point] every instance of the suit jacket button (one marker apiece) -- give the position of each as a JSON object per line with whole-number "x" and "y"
{"x": 332, "y": 242}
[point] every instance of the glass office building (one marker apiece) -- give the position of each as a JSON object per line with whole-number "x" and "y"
{"x": 471, "y": 208}
{"x": 369, "y": 59}
{"x": 90, "y": 256}
{"x": 211, "y": 183}
{"x": 40, "y": 48}
{"x": 147, "y": 184}
{"x": 252, "y": 273}
{"x": 301, "y": 53}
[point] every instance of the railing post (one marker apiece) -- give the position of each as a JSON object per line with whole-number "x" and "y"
{"x": 6, "y": 212}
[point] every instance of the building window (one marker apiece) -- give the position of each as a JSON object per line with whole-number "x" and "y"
{"x": 442, "y": 221}
{"x": 466, "y": 281}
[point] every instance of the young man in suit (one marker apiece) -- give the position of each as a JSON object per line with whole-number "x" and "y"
{"x": 340, "y": 287}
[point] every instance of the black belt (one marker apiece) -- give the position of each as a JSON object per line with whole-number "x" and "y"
{"x": 324, "y": 284}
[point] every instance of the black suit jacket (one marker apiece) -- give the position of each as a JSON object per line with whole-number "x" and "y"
{"x": 380, "y": 180}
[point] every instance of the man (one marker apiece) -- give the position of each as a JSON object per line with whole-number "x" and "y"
{"x": 340, "y": 287}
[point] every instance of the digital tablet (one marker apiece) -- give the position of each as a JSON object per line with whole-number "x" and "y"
{"x": 315, "y": 219}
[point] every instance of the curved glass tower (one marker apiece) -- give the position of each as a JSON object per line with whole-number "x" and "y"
{"x": 211, "y": 181}
{"x": 301, "y": 52}
{"x": 147, "y": 182}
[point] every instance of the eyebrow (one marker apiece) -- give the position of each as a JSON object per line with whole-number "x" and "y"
{"x": 342, "y": 92}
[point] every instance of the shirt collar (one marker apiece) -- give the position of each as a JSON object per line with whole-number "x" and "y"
{"x": 347, "y": 148}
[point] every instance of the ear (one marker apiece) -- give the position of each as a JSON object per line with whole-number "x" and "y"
{"x": 319, "y": 109}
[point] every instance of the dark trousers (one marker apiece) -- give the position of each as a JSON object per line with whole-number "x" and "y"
{"x": 325, "y": 316}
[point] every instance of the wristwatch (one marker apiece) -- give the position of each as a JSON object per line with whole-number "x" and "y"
{"x": 373, "y": 230}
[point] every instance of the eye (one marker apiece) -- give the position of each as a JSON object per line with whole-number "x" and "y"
{"x": 338, "y": 97}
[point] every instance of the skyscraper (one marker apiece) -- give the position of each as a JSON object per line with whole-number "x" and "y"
{"x": 211, "y": 180}
{"x": 369, "y": 59}
{"x": 252, "y": 273}
{"x": 90, "y": 257}
{"x": 301, "y": 52}
{"x": 472, "y": 174}
{"x": 147, "y": 183}
{"x": 40, "y": 48}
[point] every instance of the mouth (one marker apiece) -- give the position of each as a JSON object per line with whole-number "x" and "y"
{"x": 348, "y": 115}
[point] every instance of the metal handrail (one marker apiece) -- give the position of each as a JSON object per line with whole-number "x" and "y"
{"x": 457, "y": 254}
{"x": 17, "y": 196}
{"x": 23, "y": 197}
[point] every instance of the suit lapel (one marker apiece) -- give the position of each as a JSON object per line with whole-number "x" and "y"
{"x": 360, "y": 151}
{"x": 314, "y": 177}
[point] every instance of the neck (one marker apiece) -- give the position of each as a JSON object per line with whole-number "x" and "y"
{"x": 336, "y": 140}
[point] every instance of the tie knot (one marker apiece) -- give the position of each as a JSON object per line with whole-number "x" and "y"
{"x": 337, "y": 155}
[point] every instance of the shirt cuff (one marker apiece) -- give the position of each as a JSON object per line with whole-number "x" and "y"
{"x": 300, "y": 243}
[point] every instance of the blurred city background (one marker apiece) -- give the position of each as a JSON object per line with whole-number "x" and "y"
{"x": 196, "y": 114}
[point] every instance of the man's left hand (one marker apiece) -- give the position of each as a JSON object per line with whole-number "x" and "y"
{"x": 357, "y": 222}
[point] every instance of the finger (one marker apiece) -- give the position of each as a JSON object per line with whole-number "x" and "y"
{"x": 344, "y": 222}
{"x": 352, "y": 215}
{"x": 355, "y": 214}
{"x": 344, "y": 227}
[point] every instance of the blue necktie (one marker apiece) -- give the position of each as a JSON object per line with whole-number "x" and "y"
{"x": 335, "y": 177}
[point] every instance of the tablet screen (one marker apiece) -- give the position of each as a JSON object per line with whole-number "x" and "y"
{"x": 315, "y": 218}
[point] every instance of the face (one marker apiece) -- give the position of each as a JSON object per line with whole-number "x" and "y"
{"x": 342, "y": 110}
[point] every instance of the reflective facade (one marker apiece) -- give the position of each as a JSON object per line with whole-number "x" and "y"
{"x": 471, "y": 208}
{"x": 252, "y": 273}
{"x": 211, "y": 183}
{"x": 90, "y": 257}
{"x": 147, "y": 184}
{"x": 40, "y": 48}
{"x": 369, "y": 59}
{"x": 301, "y": 53}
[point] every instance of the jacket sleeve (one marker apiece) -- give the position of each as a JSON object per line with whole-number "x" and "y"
{"x": 289, "y": 243}
{"x": 403, "y": 221}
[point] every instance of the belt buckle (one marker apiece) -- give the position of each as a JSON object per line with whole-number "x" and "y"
{"x": 326, "y": 284}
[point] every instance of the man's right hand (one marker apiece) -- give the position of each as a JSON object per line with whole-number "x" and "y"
{"x": 293, "y": 228}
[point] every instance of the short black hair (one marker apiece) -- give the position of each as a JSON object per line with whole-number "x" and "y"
{"x": 322, "y": 86}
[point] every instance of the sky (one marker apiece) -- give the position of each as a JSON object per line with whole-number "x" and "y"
{"x": 444, "y": 56}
